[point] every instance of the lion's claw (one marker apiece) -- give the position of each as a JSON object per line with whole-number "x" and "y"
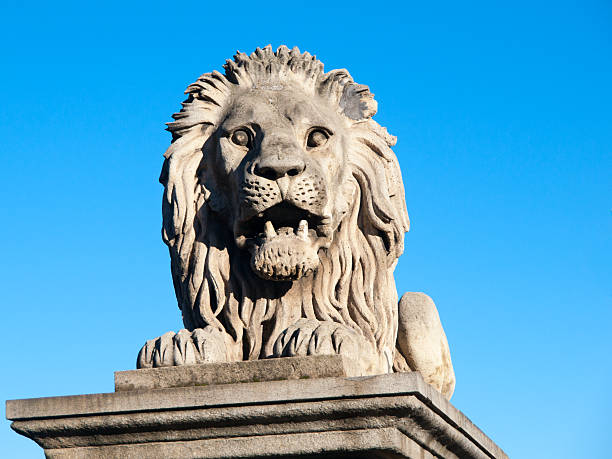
{"x": 183, "y": 348}
{"x": 311, "y": 337}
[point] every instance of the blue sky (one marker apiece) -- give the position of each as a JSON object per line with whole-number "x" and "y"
{"x": 503, "y": 115}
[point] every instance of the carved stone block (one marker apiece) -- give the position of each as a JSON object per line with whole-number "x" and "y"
{"x": 319, "y": 366}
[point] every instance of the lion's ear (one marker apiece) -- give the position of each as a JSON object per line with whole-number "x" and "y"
{"x": 355, "y": 100}
{"x": 358, "y": 102}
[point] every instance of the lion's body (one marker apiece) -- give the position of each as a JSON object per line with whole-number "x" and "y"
{"x": 279, "y": 289}
{"x": 256, "y": 311}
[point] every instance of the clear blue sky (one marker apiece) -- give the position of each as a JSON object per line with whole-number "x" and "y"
{"x": 503, "y": 112}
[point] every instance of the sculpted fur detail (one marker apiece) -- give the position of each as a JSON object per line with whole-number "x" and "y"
{"x": 284, "y": 215}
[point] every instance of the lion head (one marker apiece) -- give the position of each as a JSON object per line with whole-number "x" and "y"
{"x": 283, "y": 200}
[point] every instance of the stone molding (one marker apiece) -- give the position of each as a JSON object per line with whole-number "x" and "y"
{"x": 388, "y": 416}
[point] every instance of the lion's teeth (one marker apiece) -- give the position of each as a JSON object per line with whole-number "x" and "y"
{"x": 269, "y": 229}
{"x": 302, "y": 231}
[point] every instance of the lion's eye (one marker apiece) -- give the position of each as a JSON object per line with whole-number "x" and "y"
{"x": 317, "y": 138}
{"x": 241, "y": 138}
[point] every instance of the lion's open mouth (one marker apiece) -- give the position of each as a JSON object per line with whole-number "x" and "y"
{"x": 283, "y": 219}
{"x": 284, "y": 241}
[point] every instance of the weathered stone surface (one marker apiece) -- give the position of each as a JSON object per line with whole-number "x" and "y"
{"x": 319, "y": 366}
{"x": 284, "y": 213}
{"x": 387, "y": 416}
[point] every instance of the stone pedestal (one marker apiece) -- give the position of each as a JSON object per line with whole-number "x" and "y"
{"x": 293, "y": 407}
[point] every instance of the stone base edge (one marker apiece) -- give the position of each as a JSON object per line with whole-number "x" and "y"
{"x": 382, "y": 443}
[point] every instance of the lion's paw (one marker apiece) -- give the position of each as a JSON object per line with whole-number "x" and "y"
{"x": 184, "y": 348}
{"x": 311, "y": 337}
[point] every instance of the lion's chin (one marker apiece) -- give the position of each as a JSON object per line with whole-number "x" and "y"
{"x": 285, "y": 257}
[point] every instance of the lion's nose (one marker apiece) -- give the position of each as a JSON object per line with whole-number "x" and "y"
{"x": 273, "y": 167}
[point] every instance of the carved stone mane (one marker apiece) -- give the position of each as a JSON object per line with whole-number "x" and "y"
{"x": 284, "y": 214}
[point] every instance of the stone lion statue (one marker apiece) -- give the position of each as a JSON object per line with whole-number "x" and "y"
{"x": 284, "y": 213}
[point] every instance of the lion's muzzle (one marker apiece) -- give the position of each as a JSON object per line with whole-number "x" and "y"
{"x": 282, "y": 218}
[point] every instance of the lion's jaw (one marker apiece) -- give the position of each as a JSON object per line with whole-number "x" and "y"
{"x": 287, "y": 182}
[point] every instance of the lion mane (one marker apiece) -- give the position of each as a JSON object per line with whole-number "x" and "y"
{"x": 214, "y": 283}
